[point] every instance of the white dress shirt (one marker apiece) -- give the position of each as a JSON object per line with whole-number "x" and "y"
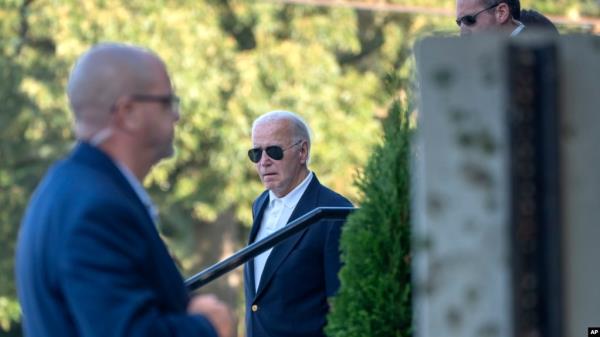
{"x": 276, "y": 216}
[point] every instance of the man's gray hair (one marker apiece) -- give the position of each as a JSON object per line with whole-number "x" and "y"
{"x": 300, "y": 128}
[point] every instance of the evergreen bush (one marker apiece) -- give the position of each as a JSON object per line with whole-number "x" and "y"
{"x": 375, "y": 293}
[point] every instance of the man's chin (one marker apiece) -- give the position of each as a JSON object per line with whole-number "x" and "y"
{"x": 270, "y": 185}
{"x": 166, "y": 153}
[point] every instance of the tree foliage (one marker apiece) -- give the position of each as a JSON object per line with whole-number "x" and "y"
{"x": 231, "y": 60}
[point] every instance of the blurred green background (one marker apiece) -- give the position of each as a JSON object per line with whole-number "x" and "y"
{"x": 231, "y": 60}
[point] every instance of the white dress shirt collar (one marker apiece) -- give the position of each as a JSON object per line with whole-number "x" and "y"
{"x": 518, "y": 30}
{"x": 291, "y": 199}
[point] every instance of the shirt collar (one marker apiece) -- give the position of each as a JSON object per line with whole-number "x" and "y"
{"x": 139, "y": 190}
{"x": 291, "y": 199}
{"x": 518, "y": 30}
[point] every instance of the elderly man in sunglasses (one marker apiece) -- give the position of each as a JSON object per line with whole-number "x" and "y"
{"x": 477, "y": 16}
{"x": 287, "y": 287}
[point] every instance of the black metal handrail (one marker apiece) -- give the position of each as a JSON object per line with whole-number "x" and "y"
{"x": 243, "y": 255}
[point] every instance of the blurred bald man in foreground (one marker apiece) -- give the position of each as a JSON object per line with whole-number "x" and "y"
{"x": 90, "y": 261}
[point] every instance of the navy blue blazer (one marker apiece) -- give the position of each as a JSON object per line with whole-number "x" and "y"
{"x": 90, "y": 261}
{"x": 300, "y": 272}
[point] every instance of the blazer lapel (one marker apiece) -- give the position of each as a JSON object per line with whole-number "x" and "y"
{"x": 308, "y": 202}
{"x": 259, "y": 210}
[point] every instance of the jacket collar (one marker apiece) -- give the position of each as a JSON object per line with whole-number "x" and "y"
{"x": 97, "y": 159}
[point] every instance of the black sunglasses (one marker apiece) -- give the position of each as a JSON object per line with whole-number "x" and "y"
{"x": 171, "y": 100}
{"x": 471, "y": 19}
{"x": 274, "y": 152}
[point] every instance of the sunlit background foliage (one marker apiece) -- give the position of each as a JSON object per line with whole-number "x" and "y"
{"x": 230, "y": 60}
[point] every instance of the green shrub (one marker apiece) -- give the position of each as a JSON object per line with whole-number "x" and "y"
{"x": 375, "y": 293}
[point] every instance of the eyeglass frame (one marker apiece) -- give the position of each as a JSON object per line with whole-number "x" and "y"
{"x": 266, "y": 150}
{"x": 171, "y": 100}
{"x": 473, "y": 17}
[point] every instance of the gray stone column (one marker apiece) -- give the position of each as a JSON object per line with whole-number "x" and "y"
{"x": 477, "y": 270}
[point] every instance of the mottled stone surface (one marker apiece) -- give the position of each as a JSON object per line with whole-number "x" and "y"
{"x": 581, "y": 181}
{"x": 461, "y": 266}
{"x": 461, "y": 274}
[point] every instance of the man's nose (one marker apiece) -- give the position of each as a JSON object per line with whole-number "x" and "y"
{"x": 265, "y": 160}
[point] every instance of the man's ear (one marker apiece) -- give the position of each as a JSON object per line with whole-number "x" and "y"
{"x": 303, "y": 152}
{"x": 503, "y": 13}
{"x": 125, "y": 118}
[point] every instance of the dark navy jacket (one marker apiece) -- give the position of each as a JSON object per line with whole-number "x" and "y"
{"x": 300, "y": 272}
{"x": 90, "y": 261}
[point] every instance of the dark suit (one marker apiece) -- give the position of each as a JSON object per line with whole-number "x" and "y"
{"x": 90, "y": 261}
{"x": 299, "y": 274}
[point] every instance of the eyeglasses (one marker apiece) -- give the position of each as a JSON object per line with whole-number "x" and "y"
{"x": 171, "y": 100}
{"x": 274, "y": 152}
{"x": 471, "y": 19}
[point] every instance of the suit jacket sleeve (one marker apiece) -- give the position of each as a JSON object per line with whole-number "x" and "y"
{"x": 332, "y": 251}
{"x": 107, "y": 283}
{"x": 331, "y": 257}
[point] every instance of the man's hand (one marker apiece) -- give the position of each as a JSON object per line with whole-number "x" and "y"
{"x": 217, "y": 313}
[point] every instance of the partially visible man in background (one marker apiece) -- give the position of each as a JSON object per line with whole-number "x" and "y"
{"x": 90, "y": 261}
{"x": 477, "y": 16}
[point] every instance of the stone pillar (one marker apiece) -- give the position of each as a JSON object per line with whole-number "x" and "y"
{"x": 506, "y": 179}
{"x": 580, "y": 181}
